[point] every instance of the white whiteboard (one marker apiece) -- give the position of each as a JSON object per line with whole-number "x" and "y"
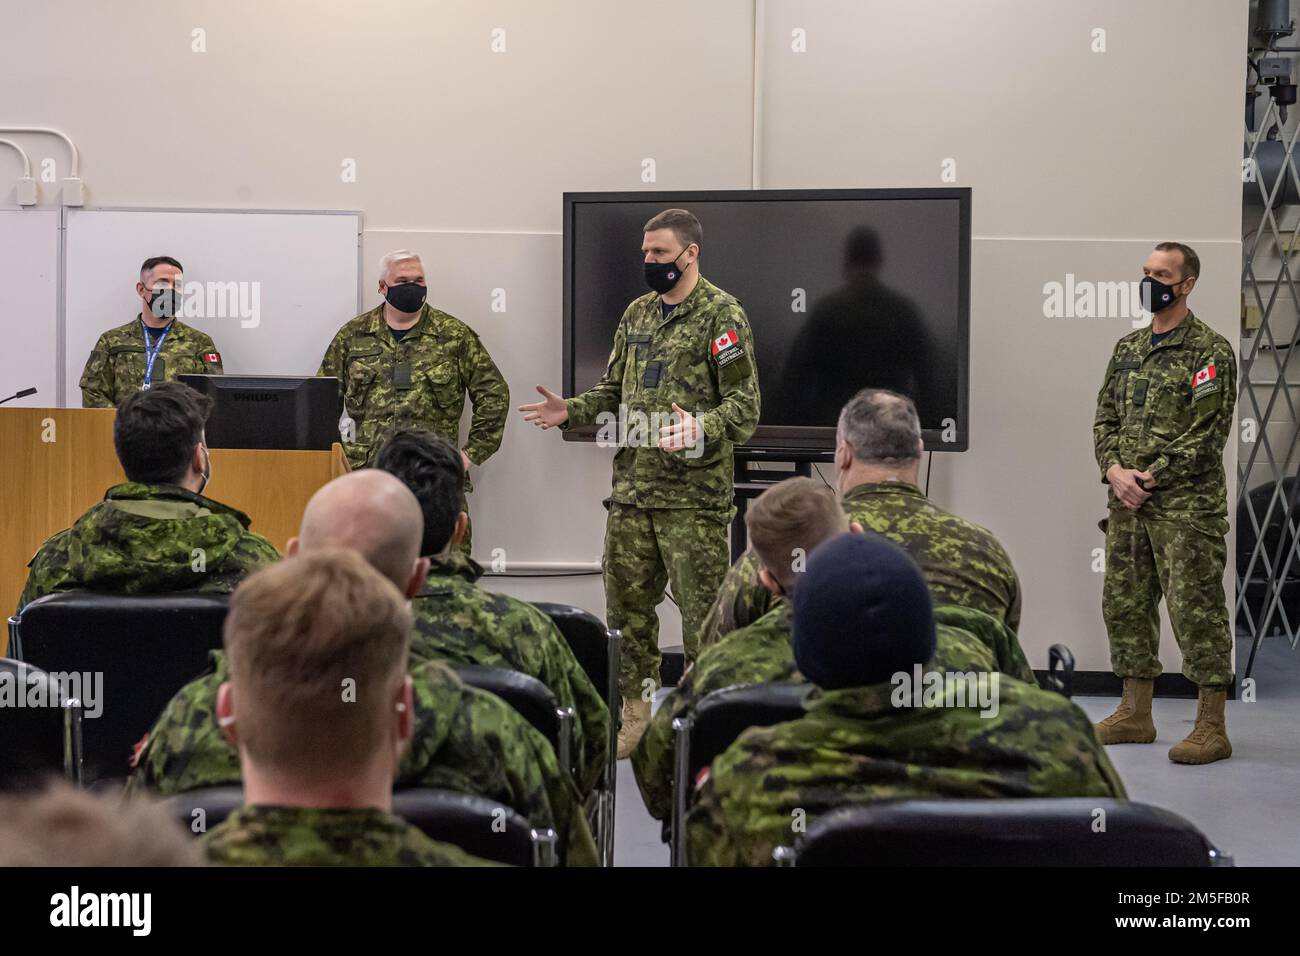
{"x": 29, "y": 297}
{"x": 272, "y": 287}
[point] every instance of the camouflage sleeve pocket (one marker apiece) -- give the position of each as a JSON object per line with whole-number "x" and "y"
{"x": 735, "y": 372}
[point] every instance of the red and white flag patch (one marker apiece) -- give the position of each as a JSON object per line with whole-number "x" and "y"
{"x": 725, "y": 341}
{"x": 212, "y": 358}
{"x": 1203, "y": 376}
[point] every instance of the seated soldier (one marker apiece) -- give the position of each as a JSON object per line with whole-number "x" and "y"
{"x": 785, "y": 524}
{"x": 320, "y": 705}
{"x": 878, "y": 450}
{"x": 458, "y": 621}
{"x": 465, "y": 739}
{"x": 155, "y": 533}
{"x": 877, "y": 727}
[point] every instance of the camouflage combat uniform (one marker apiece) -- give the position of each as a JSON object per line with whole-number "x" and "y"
{"x": 302, "y": 836}
{"x": 669, "y": 513}
{"x": 420, "y": 381}
{"x": 460, "y": 622}
{"x": 465, "y": 740}
{"x": 854, "y": 747}
{"x": 1168, "y": 410}
{"x": 115, "y": 369}
{"x": 762, "y": 653}
{"x": 149, "y": 539}
{"x": 963, "y": 564}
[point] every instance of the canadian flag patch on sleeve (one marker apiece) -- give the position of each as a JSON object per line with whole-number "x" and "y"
{"x": 1204, "y": 382}
{"x": 212, "y": 358}
{"x": 727, "y": 348}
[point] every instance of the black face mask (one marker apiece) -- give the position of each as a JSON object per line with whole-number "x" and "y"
{"x": 662, "y": 276}
{"x": 1156, "y": 296}
{"x": 165, "y": 303}
{"x": 407, "y": 297}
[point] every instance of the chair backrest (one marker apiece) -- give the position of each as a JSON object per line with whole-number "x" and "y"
{"x": 476, "y": 824}
{"x": 31, "y": 725}
{"x": 720, "y": 717}
{"x": 526, "y": 694}
{"x": 145, "y": 648}
{"x": 597, "y": 650}
{"x": 1031, "y": 832}
{"x": 712, "y": 726}
{"x": 1060, "y": 670}
{"x": 590, "y": 641}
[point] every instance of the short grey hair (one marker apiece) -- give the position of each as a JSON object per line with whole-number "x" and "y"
{"x": 388, "y": 260}
{"x": 881, "y": 426}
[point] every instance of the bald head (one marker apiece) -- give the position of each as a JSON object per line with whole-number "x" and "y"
{"x": 372, "y": 513}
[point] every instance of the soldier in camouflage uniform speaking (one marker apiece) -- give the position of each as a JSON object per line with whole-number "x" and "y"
{"x": 153, "y": 347}
{"x": 156, "y": 532}
{"x": 1163, "y": 416}
{"x": 684, "y": 350}
{"x": 407, "y": 364}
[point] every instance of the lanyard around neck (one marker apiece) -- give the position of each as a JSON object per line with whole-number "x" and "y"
{"x": 151, "y": 354}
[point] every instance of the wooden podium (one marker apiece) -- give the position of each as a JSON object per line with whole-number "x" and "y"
{"x": 57, "y": 462}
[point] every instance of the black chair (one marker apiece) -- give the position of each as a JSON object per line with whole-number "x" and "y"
{"x": 1032, "y": 832}
{"x": 1060, "y": 670}
{"x": 40, "y": 726}
{"x": 711, "y": 727}
{"x": 146, "y": 649}
{"x": 477, "y": 825}
{"x": 597, "y": 649}
{"x": 532, "y": 699}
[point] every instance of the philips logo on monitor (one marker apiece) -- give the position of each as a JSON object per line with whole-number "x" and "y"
{"x": 255, "y": 397}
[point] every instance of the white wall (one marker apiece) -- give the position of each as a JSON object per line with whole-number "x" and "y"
{"x": 1079, "y": 161}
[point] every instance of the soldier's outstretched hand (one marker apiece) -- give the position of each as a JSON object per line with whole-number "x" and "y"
{"x": 549, "y": 412}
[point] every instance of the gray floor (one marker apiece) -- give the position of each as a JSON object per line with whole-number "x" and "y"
{"x": 1248, "y": 806}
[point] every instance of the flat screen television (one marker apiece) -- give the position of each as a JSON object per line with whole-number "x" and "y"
{"x": 844, "y": 289}
{"x": 291, "y": 412}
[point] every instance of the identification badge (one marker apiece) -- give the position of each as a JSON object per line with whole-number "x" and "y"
{"x": 402, "y": 376}
{"x": 1139, "y": 392}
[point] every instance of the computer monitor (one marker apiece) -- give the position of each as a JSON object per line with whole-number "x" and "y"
{"x": 291, "y": 412}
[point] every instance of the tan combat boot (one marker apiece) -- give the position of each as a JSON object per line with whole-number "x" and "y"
{"x": 1131, "y": 723}
{"x": 636, "y": 717}
{"x": 1208, "y": 740}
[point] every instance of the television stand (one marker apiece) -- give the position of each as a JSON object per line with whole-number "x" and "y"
{"x": 752, "y": 481}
